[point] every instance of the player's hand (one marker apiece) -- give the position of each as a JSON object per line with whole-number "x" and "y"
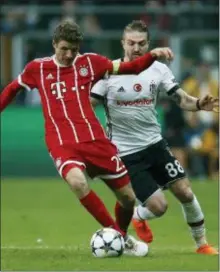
{"x": 209, "y": 103}
{"x": 162, "y": 53}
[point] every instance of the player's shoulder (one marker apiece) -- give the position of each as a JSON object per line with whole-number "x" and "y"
{"x": 159, "y": 67}
{"x": 45, "y": 59}
{"x": 90, "y": 54}
{"x": 94, "y": 56}
{"x": 82, "y": 57}
{"x": 35, "y": 63}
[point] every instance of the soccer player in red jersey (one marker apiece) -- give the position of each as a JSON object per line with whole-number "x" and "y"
{"x": 74, "y": 137}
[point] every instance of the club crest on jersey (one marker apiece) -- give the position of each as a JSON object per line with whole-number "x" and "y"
{"x": 83, "y": 71}
{"x": 137, "y": 87}
{"x": 153, "y": 87}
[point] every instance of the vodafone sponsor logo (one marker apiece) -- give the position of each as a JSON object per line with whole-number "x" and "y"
{"x": 138, "y": 102}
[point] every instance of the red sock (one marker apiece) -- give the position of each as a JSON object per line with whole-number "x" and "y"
{"x": 123, "y": 216}
{"x": 97, "y": 209}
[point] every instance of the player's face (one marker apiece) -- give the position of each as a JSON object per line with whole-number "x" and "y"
{"x": 135, "y": 44}
{"x": 65, "y": 52}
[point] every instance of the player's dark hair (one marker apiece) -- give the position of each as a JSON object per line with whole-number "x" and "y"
{"x": 68, "y": 31}
{"x": 137, "y": 25}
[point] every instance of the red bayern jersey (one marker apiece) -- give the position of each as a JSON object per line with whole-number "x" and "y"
{"x": 65, "y": 92}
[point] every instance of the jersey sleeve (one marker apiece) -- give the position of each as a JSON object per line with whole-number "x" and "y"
{"x": 101, "y": 66}
{"x": 168, "y": 83}
{"x": 27, "y": 78}
{"x": 99, "y": 90}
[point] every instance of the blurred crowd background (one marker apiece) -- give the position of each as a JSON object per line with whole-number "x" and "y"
{"x": 190, "y": 28}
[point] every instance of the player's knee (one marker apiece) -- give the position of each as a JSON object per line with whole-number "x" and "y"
{"x": 159, "y": 209}
{"x": 186, "y": 195}
{"x": 158, "y": 206}
{"x": 182, "y": 190}
{"x": 79, "y": 187}
{"x": 77, "y": 182}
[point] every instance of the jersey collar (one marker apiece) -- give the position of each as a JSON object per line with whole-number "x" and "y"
{"x": 62, "y": 65}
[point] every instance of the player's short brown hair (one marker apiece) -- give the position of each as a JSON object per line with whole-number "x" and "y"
{"x": 137, "y": 25}
{"x": 68, "y": 31}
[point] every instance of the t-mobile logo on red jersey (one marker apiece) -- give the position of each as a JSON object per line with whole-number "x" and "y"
{"x": 58, "y": 89}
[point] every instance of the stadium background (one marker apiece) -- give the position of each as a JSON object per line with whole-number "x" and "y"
{"x": 190, "y": 28}
{"x": 43, "y": 226}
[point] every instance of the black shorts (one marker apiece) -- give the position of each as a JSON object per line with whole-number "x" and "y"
{"x": 152, "y": 168}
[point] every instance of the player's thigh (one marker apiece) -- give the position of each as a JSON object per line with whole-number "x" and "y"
{"x": 142, "y": 181}
{"x": 65, "y": 158}
{"x": 166, "y": 169}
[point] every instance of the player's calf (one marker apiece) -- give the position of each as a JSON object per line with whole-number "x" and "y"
{"x": 124, "y": 208}
{"x": 91, "y": 202}
{"x": 126, "y": 196}
{"x": 155, "y": 206}
{"x": 193, "y": 215}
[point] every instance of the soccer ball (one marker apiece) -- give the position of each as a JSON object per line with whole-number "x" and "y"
{"x": 107, "y": 242}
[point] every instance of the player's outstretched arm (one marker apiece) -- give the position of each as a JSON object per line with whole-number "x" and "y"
{"x": 25, "y": 80}
{"x": 190, "y": 103}
{"x": 140, "y": 64}
{"x": 8, "y": 93}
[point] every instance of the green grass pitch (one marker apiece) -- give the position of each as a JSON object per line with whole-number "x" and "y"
{"x": 47, "y": 210}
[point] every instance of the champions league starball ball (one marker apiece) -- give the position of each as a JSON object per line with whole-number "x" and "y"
{"x": 107, "y": 242}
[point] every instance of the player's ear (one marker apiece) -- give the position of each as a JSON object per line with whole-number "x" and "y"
{"x": 54, "y": 44}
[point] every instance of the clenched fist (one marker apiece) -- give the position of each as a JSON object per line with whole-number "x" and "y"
{"x": 162, "y": 53}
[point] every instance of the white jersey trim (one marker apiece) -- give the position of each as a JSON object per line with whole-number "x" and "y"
{"x": 69, "y": 162}
{"x": 114, "y": 176}
{"x": 91, "y": 69}
{"x": 65, "y": 111}
{"x": 48, "y": 104}
{"x": 79, "y": 101}
{"x": 23, "y": 84}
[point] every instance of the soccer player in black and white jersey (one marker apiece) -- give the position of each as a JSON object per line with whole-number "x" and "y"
{"x": 132, "y": 124}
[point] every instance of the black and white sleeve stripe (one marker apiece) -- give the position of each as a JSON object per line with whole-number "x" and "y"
{"x": 97, "y": 96}
{"x": 173, "y": 90}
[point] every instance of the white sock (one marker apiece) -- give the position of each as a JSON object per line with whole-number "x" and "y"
{"x": 193, "y": 214}
{"x": 143, "y": 213}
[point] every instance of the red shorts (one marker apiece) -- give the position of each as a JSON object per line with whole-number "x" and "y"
{"x": 99, "y": 158}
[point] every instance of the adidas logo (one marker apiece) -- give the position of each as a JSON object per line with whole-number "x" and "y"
{"x": 50, "y": 76}
{"x": 121, "y": 90}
